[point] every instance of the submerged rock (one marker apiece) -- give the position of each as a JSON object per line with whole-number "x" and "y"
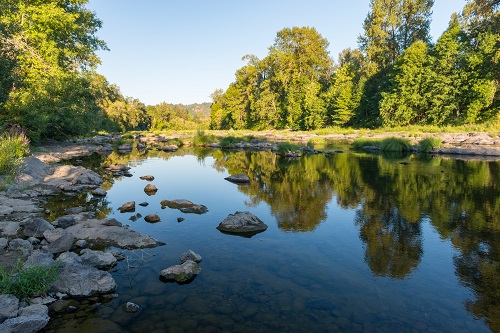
{"x": 181, "y": 273}
{"x": 238, "y": 179}
{"x": 152, "y": 218}
{"x": 244, "y": 223}
{"x": 184, "y": 206}
{"x": 127, "y": 207}
{"x": 190, "y": 255}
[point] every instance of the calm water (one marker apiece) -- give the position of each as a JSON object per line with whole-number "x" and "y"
{"x": 356, "y": 243}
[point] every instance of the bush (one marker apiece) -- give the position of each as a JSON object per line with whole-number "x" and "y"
{"x": 203, "y": 139}
{"x": 287, "y": 147}
{"x": 395, "y": 144}
{"x": 14, "y": 145}
{"x": 430, "y": 143}
{"x": 26, "y": 282}
{"x": 360, "y": 143}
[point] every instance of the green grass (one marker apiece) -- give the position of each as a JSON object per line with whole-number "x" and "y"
{"x": 26, "y": 282}
{"x": 429, "y": 144}
{"x": 395, "y": 145}
{"x": 14, "y": 145}
{"x": 287, "y": 147}
{"x": 360, "y": 143}
{"x": 203, "y": 139}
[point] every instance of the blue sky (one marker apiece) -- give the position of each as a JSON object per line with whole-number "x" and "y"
{"x": 181, "y": 51}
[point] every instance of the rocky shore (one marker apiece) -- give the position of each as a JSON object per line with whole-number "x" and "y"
{"x": 71, "y": 241}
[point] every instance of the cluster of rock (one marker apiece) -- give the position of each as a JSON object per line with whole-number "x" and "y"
{"x": 184, "y": 206}
{"x": 118, "y": 170}
{"x": 17, "y": 316}
{"x": 186, "y": 271}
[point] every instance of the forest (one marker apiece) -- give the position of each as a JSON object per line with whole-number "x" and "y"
{"x": 49, "y": 85}
{"x": 396, "y": 77}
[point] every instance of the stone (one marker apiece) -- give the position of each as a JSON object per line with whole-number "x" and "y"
{"x": 60, "y": 240}
{"x": 100, "y": 233}
{"x": 184, "y": 206}
{"x": 168, "y": 148}
{"x": 117, "y": 254}
{"x": 181, "y": 273}
{"x": 10, "y": 229}
{"x": 98, "y": 259}
{"x": 40, "y": 258}
{"x": 180, "y": 219}
{"x": 9, "y": 304}
{"x": 238, "y": 179}
{"x": 125, "y": 147}
{"x": 65, "y": 221}
{"x": 131, "y": 307}
{"x": 150, "y": 189}
{"x": 34, "y": 241}
{"x": 81, "y": 243}
{"x": 24, "y": 324}
{"x": 190, "y": 255}
{"x": 3, "y": 243}
{"x": 21, "y": 245}
{"x": 79, "y": 280}
{"x": 127, "y": 207}
{"x": 149, "y": 178}
{"x": 69, "y": 259}
{"x": 144, "y": 204}
{"x": 152, "y": 218}
{"x": 244, "y": 223}
{"x": 34, "y": 309}
{"x": 99, "y": 192}
{"x": 35, "y": 227}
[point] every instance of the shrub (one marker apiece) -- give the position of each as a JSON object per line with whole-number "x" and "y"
{"x": 203, "y": 139}
{"x": 430, "y": 143}
{"x": 287, "y": 147}
{"x": 26, "y": 282}
{"x": 395, "y": 144}
{"x": 14, "y": 145}
{"x": 360, "y": 143}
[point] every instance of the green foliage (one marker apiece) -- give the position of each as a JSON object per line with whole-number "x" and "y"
{"x": 287, "y": 147}
{"x": 14, "y": 145}
{"x": 395, "y": 145}
{"x": 203, "y": 139}
{"x": 360, "y": 143}
{"x": 26, "y": 282}
{"x": 230, "y": 141}
{"x": 429, "y": 144}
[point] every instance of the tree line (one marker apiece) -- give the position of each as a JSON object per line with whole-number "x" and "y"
{"x": 397, "y": 76}
{"x": 48, "y": 80}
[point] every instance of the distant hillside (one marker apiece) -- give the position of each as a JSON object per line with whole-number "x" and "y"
{"x": 203, "y": 108}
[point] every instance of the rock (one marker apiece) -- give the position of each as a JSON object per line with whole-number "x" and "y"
{"x": 99, "y": 192}
{"x": 65, "y": 221}
{"x": 9, "y": 229}
{"x": 67, "y": 259}
{"x": 42, "y": 301}
{"x": 181, "y": 273}
{"x": 144, "y": 204}
{"x": 117, "y": 254}
{"x": 73, "y": 178}
{"x": 35, "y": 309}
{"x": 190, "y": 255}
{"x": 3, "y": 243}
{"x": 87, "y": 177}
{"x": 125, "y": 147}
{"x": 168, "y": 148}
{"x": 21, "y": 245}
{"x": 131, "y": 307}
{"x": 180, "y": 219}
{"x": 24, "y": 324}
{"x": 149, "y": 178}
{"x": 81, "y": 243}
{"x": 60, "y": 240}
{"x": 75, "y": 210}
{"x": 117, "y": 168}
{"x": 127, "y": 207}
{"x": 150, "y": 189}
{"x": 242, "y": 223}
{"x": 238, "y": 179}
{"x": 102, "y": 234}
{"x": 9, "y": 304}
{"x": 98, "y": 259}
{"x": 35, "y": 227}
{"x": 40, "y": 258}
{"x": 34, "y": 241}
{"x": 79, "y": 280}
{"x": 184, "y": 206}
{"x": 152, "y": 218}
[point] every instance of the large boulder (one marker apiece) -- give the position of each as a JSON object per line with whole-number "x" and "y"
{"x": 109, "y": 232}
{"x": 40, "y": 258}
{"x": 184, "y": 206}
{"x": 182, "y": 273}
{"x": 9, "y": 304}
{"x": 35, "y": 227}
{"x": 238, "y": 179}
{"x": 79, "y": 280}
{"x": 242, "y": 223}
{"x": 60, "y": 240}
{"x": 98, "y": 259}
{"x": 22, "y": 245}
{"x": 24, "y": 324}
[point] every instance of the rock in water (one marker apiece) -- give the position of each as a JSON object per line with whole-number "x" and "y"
{"x": 150, "y": 189}
{"x": 242, "y": 223}
{"x": 181, "y": 273}
{"x": 238, "y": 179}
{"x": 152, "y": 218}
{"x": 190, "y": 255}
{"x": 149, "y": 178}
{"x": 127, "y": 207}
{"x": 184, "y": 206}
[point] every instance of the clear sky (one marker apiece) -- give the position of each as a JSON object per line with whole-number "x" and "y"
{"x": 180, "y": 51}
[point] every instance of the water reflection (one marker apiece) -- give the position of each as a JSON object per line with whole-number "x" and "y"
{"x": 393, "y": 202}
